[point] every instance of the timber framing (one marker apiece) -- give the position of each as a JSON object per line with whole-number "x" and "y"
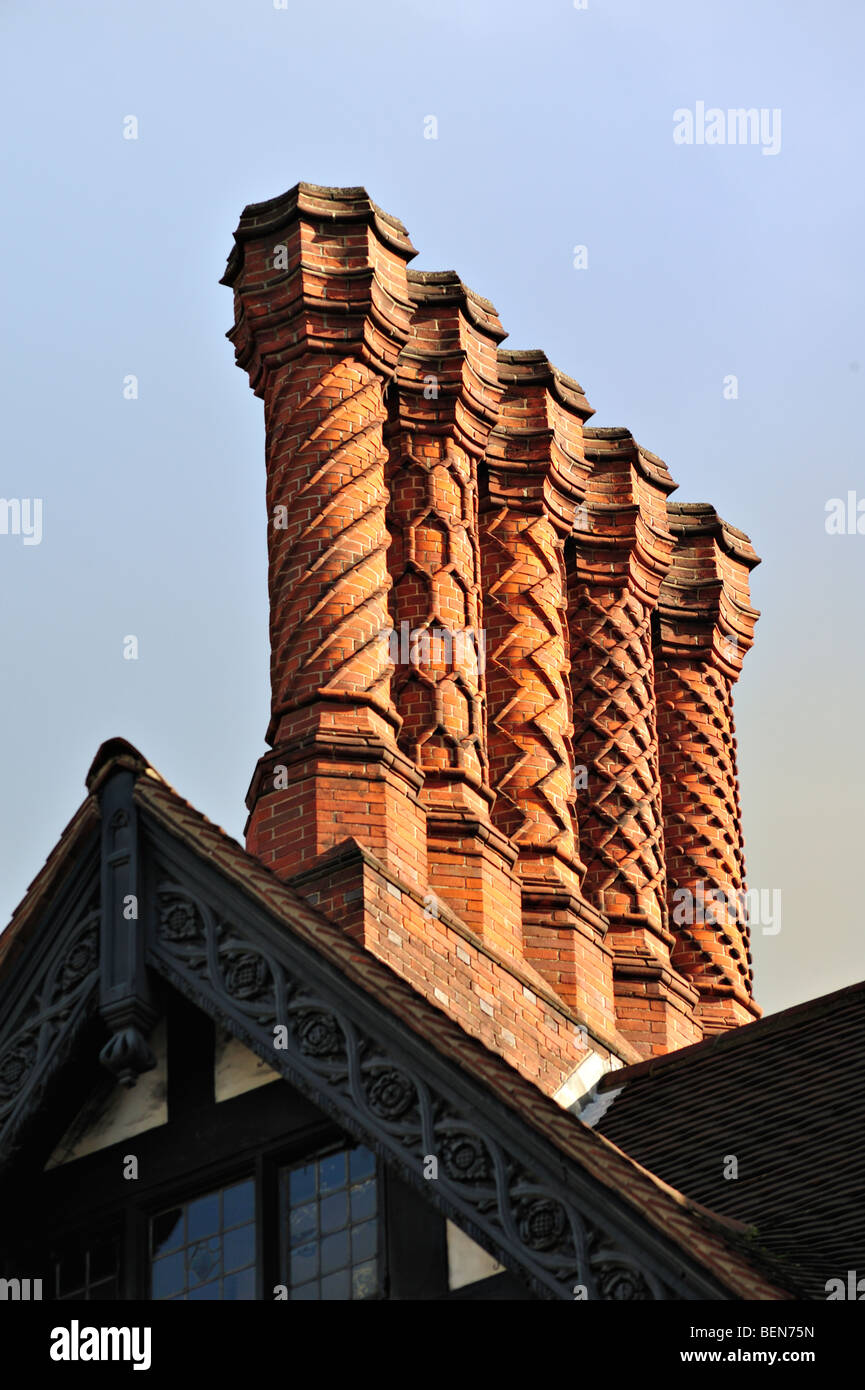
{"x": 555, "y": 1203}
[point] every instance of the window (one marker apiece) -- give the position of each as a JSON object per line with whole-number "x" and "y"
{"x": 329, "y": 1219}
{"x": 286, "y": 1207}
{"x": 85, "y": 1271}
{"x": 205, "y": 1248}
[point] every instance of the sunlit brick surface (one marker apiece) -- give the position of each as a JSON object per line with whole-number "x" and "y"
{"x": 500, "y": 744}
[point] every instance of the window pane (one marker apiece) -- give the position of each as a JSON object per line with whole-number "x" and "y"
{"x": 332, "y": 1172}
{"x": 203, "y": 1261}
{"x": 168, "y": 1276}
{"x": 364, "y": 1281}
{"x": 336, "y": 1286}
{"x": 167, "y": 1231}
{"x": 363, "y": 1242}
{"x": 304, "y": 1224}
{"x": 302, "y": 1184}
{"x": 363, "y": 1201}
{"x": 304, "y": 1263}
{"x": 238, "y": 1248}
{"x": 334, "y": 1212}
{"x": 203, "y": 1217}
{"x": 204, "y": 1292}
{"x": 239, "y": 1204}
{"x": 361, "y": 1164}
{"x": 334, "y": 1252}
{"x": 240, "y": 1286}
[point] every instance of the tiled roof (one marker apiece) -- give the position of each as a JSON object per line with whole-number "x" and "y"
{"x": 785, "y": 1097}
{"x": 722, "y": 1247}
{"x": 81, "y": 827}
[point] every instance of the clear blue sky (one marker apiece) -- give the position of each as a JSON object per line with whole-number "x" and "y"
{"x": 555, "y": 128}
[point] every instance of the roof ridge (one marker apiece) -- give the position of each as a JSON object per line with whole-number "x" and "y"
{"x": 735, "y": 1037}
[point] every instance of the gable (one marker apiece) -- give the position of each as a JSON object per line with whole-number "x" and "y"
{"x": 450, "y": 1119}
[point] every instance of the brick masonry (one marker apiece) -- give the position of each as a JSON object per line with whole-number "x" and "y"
{"x": 706, "y": 625}
{"x": 501, "y": 745}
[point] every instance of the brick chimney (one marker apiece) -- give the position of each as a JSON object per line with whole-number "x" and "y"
{"x": 475, "y": 751}
{"x": 535, "y": 484}
{"x": 622, "y": 554}
{"x": 322, "y": 311}
{"x": 443, "y": 404}
{"x": 706, "y": 625}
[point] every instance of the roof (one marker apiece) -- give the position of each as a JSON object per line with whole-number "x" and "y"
{"x": 785, "y": 1097}
{"x": 722, "y": 1246}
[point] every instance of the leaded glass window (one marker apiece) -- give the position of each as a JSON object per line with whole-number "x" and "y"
{"x": 205, "y": 1248}
{"x": 329, "y": 1213}
{"x": 86, "y": 1271}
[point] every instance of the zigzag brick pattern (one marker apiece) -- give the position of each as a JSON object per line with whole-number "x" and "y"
{"x": 534, "y": 481}
{"x": 622, "y": 552}
{"x": 443, "y": 405}
{"x": 706, "y": 626}
{"x": 476, "y": 600}
{"x": 530, "y": 722}
{"x": 616, "y": 737}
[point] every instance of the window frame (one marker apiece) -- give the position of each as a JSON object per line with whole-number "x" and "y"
{"x": 131, "y": 1226}
{"x": 205, "y": 1144}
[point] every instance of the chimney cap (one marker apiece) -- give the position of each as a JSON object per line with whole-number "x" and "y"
{"x": 531, "y": 366}
{"x": 700, "y": 518}
{"x": 653, "y": 468}
{"x": 446, "y": 287}
{"x": 317, "y": 202}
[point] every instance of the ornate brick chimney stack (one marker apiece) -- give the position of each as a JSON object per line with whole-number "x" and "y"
{"x": 444, "y": 402}
{"x": 706, "y": 625}
{"x": 535, "y": 487}
{"x": 322, "y": 311}
{"x": 623, "y": 552}
{"x": 500, "y": 744}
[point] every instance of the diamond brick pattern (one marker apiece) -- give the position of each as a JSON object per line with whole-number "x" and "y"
{"x": 501, "y": 658}
{"x": 436, "y": 595}
{"x": 705, "y": 627}
{"x": 615, "y": 731}
{"x": 530, "y": 723}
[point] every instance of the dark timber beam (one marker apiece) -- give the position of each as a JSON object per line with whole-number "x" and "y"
{"x": 124, "y": 995}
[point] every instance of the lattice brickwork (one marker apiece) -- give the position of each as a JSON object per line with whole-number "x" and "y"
{"x": 473, "y": 599}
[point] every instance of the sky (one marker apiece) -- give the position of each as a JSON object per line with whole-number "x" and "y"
{"x": 716, "y": 311}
